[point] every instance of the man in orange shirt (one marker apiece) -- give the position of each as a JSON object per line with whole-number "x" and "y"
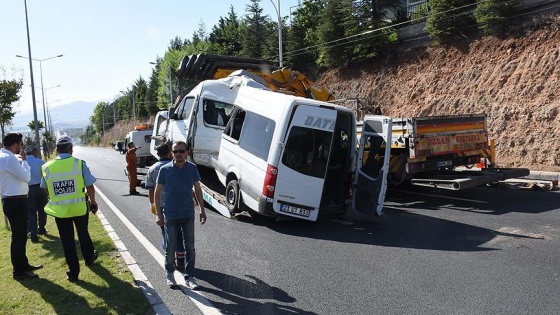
{"x": 131, "y": 165}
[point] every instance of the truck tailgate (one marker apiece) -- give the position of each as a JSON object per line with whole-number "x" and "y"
{"x": 464, "y": 135}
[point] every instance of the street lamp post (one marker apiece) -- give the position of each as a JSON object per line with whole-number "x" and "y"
{"x": 32, "y": 83}
{"x": 277, "y": 8}
{"x": 42, "y": 86}
{"x": 46, "y": 104}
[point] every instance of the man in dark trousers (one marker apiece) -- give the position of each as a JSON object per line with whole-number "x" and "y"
{"x": 164, "y": 153}
{"x": 14, "y": 177}
{"x": 69, "y": 184}
{"x": 37, "y": 198}
{"x": 177, "y": 179}
{"x": 131, "y": 165}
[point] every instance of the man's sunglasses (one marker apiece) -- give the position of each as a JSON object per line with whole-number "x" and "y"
{"x": 179, "y": 151}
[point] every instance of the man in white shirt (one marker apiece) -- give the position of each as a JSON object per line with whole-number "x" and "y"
{"x": 14, "y": 177}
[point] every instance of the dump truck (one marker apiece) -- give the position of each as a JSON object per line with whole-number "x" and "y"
{"x": 446, "y": 152}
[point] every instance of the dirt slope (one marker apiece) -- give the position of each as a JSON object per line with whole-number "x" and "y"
{"x": 514, "y": 81}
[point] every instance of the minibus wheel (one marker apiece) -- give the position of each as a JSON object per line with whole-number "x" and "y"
{"x": 232, "y": 196}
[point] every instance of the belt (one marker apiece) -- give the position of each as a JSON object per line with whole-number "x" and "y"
{"x": 15, "y": 197}
{"x": 34, "y": 185}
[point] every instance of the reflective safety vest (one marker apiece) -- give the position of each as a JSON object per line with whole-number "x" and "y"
{"x": 66, "y": 186}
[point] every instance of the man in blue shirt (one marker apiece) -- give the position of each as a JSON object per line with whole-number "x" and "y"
{"x": 176, "y": 180}
{"x": 164, "y": 154}
{"x": 37, "y": 197}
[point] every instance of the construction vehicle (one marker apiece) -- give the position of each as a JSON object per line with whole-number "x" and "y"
{"x": 447, "y": 152}
{"x": 197, "y": 68}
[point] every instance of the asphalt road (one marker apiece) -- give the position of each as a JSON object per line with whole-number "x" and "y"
{"x": 480, "y": 251}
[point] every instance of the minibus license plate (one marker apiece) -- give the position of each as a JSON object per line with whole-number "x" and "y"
{"x": 295, "y": 210}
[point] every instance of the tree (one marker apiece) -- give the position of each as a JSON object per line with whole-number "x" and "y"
{"x": 225, "y": 37}
{"x": 492, "y": 15}
{"x": 366, "y": 27}
{"x": 254, "y": 31}
{"x": 200, "y": 35}
{"x": 31, "y": 125}
{"x": 333, "y": 52}
{"x": 303, "y": 38}
{"x": 177, "y": 43}
{"x": 9, "y": 94}
{"x": 448, "y": 18}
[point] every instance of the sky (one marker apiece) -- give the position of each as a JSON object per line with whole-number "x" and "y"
{"x": 106, "y": 44}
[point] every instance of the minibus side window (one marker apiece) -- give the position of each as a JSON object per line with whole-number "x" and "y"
{"x": 256, "y": 135}
{"x": 184, "y": 109}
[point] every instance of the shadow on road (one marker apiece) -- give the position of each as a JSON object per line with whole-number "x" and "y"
{"x": 486, "y": 200}
{"x": 243, "y": 294}
{"x": 409, "y": 221}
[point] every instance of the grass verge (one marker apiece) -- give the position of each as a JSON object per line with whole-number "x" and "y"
{"x": 107, "y": 287}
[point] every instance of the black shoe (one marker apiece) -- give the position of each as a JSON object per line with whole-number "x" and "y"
{"x": 25, "y": 275}
{"x": 33, "y": 268}
{"x": 93, "y": 258}
{"x": 134, "y": 192}
{"x": 42, "y": 232}
{"x": 34, "y": 238}
{"x": 71, "y": 277}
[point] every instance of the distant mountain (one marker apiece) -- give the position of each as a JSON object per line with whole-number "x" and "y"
{"x": 72, "y": 115}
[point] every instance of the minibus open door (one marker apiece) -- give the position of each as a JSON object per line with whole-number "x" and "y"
{"x": 370, "y": 178}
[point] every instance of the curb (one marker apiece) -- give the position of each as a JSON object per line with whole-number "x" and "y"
{"x": 158, "y": 307}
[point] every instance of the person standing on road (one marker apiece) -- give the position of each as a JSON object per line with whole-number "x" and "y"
{"x": 176, "y": 180}
{"x": 69, "y": 184}
{"x": 14, "y": 177}
{"x": 164, "y": 153}
{"x": 131, "y": 165}
{"x": 37, "y": 198}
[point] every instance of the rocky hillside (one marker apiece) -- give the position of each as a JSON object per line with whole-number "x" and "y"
{"x": 515, "y": 81}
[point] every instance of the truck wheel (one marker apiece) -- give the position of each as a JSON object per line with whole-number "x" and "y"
{"x": 232, "y": 196}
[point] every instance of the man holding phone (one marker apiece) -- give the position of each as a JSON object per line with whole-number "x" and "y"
{"x": 14, "y": 176}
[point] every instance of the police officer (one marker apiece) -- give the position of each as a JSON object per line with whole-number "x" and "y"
{"x": 68, "y": 183}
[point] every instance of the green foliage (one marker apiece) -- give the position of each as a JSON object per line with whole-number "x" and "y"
{"x": 438, "y": 25}
{"x": 492, "y": 15}
{"x": 421, "y": 12}
{"x": 105, "y": 288}
{"x": 225, "y": 37}
{"x": 333, "y": 52}
{"x": 31, "y": 125}
{"x": 366, "y": 28}
{"x": 9, "y": 94}
{"x": 448, "y": 19}
{"x": 303, "y": 38}
{"x": 255, "y": 31}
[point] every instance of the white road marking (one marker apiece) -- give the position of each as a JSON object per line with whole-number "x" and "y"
{"x": 442, "y": 197}
{"x": 203, "y": 304}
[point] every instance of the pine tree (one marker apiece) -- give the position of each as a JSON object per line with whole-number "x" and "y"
{"x": 492, "y": 15}
{"x": 254, "y": 31}
{"x": 331, "y": 33}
